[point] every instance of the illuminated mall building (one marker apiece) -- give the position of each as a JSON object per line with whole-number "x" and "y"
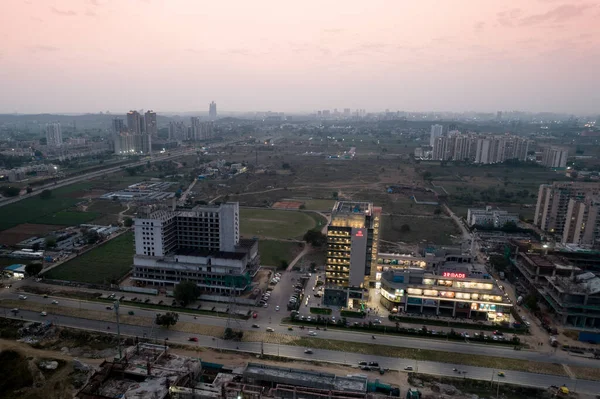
{"x": 455, "y": 289}
{"x": 352, "y": 243}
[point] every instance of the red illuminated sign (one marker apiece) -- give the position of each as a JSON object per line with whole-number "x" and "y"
{"x": 359, "y": 233}
{"x": 454, "y": 275}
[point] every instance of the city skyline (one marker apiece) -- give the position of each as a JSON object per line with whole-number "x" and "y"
{"x": 431, "y": 56}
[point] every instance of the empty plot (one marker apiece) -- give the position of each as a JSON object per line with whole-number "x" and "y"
{"x": 275, "y": 223}
{"x": 105, "y": 264}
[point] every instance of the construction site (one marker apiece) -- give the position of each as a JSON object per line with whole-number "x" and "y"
{"x": 149, "y": 371}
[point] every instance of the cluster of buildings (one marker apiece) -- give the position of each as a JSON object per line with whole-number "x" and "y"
{"x": 27, "y": 172}
{"x": 135, "y": 137}
{"x": 147, "y": 191}
{"x": 442, "y": 283}
{"x": 456, "y": 146}
{"x": 197, "y": 130}
{"x": 200, "y": 244}
{"x": 569, "y": 211}
{"x": 555, "y": 157}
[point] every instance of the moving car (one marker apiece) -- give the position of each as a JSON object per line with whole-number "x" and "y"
{"x": 501, "y": 374}
{"x": 362, "y": 363}
{"x": 109, "y": 308}
{"x": 277, "y": 308}
{"x": 43, "y": 314}
{"x": 23, "y": 297}
{"x": 254, "y": 315}
{"x": 193, "y": 339}
{"x": 55, "y": 302}
{"x": 312, "y": 333}
{"x": 408, "y": 368}
{"x": 270, "y": 329}
{"x": 374, "y": 364}
{"x": 255, "y": 326}
{"x": 308, "y": 351}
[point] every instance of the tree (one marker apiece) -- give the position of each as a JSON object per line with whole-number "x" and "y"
{"x": 33, "y": 269}
{"x": 29, "y": 190}
{"x": 46, "y": 194}
{"x": 167, "y": 320}
{"x": 302, "y": 206}
{"x": 128, "y": 222}
{"x": 335, "y": 195}
{"x": 437, "y": 211}
{"x": 404, "y": 228}
{"x": 313, "y": 267}
{"x": 92, "y": 236}
{"x": 283, "y": 264}
{"x": 9, "y": 191}
{"x": 531, "y": 303}
{"x": 315, "y": 238}
{"x": 427, "y": 175}
{"x": 186, "y": 292}
{"x": 285, "y": 166}
{"x": 50, "y": 242}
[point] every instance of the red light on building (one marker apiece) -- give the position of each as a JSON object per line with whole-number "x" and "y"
{"x": 454, "y": 275}
{"x": 359, "y": 233}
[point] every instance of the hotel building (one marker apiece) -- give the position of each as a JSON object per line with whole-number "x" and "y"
{"x": 352, "y": 243}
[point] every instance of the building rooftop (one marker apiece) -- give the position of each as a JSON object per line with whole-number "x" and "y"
{"x": 585, "y": 283}
{"x": 283, "y": 375}
{"x": 15, "y": 268}
{"x": 353, "y": 207}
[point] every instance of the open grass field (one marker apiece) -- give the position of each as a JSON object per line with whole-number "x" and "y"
{"x": 434, "y": 229}
{"x": 272, "y": 252}
{"x": 323, "y": 205}
{"x": 67, "y": 218}
{"x": 276, "y": 224}
{"x": 102, "y": 265}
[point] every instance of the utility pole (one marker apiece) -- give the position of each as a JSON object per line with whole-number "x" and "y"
{"x": 118, "y": 329}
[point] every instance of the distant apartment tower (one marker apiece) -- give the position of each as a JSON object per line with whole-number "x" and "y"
{"x": 178, "y": 131}
{"x": 498, "y": 149}
{"x": 118, "y": 125}
{"x": 555, "y": 157}
{"x": 436, "y": 131}
{"x": 134, "y": 122}
{"x": 53, "y": 135}
{"x": 482, "y": 154}
{"x": 200, "y": 244}
{"x": 490, "y": 217}
{"x": 352, "y": 244}
{"x": 150, "y": 126}
{"x": 582, "y": 223}
{"x": 462, "y": 147}
{"x": 212, "y": 111}
{"x": 442, "y": 148}
{"x": 553, "y": 203}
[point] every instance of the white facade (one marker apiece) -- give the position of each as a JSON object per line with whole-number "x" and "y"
{"x": 436, "y": 131}
{"x": 555, "y": 157}
{"x": 482, "y": 154}
{"x": 54, "y": 135}
{"x": 491, "y": 218}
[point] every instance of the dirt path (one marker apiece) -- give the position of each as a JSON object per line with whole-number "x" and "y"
{"x": 41, "y": 353}
{"x": 305, "y": 250}
{"x": 120, "y": 215}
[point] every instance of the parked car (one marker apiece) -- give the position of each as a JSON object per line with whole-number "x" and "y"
{"x": 362, "y": 363}
{"x": 254, "y": 315}
{"x": 270, "y": 329}
{"x": 373, "y": 364}
{"x": 408, "y": 368}
{"x": 22, "y": 297}
{"x": 193, "y": 339}
{"x": 277, "y": 308}
{"x": 109, "y": 308}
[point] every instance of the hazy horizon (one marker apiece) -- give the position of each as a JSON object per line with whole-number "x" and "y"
{"x": 87, "y": 56}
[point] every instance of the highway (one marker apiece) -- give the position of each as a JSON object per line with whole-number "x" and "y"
{"x": 294, "y": 352}
{"x": 475, "y": 349}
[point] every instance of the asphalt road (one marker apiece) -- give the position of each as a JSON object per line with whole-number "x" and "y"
{"x": 433, "y": 368}
{"x": 272, "y": 319}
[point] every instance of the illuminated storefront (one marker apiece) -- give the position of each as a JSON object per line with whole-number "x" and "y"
{"x": 448, "y": 294}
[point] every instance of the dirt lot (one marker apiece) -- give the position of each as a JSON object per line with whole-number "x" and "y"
{"x": 24, "y": 231}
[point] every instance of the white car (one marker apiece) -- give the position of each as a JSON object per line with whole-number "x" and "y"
{"x": 270, "y": 329}
{"x": 23, "y": 297}
{"x": 43, "y": 314}
{"x": 312, "y": 333}
{"x": 277, "y": 308}
{"x": 308, "y": 318}
{"x": 55, "y": 302}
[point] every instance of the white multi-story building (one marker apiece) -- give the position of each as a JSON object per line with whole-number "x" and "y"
{"x": 555, "y": 157}
{"x": 150, "y": 125}
{"x": 53, "y": 135}
{"x": 490, "y": 217}
{"x": 582, "y": 224}
{"x": 436, "y": 131}
{"x": 200, "y": 244}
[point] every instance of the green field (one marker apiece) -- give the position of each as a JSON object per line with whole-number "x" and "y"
{"x": 434, "y": 229}
{"x": 272, "y": 252}
{"x": 31, "y": 209}
{"x": 67, "y": 218}
{"x": 319, "y": 205}
{"x": 105, "y": 264}
{"x": 277, "y": 224}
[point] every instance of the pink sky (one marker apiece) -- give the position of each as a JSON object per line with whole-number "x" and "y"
{"x": 178, "y": 55}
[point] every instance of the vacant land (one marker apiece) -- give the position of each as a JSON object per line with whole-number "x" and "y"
{"x": 67, "y": 218}
{"x": 413, "y": 230}
{"x": 31, "y": 209}
{"x": 24, "y": 231}
{"x": 276, "y": 224}
{"x": 105, "y": 264}
{"x": 272, "y": 252}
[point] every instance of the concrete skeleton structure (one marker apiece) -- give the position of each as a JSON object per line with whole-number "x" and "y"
{"x": 352, "y": 246}
{"x": 200, "y": 244}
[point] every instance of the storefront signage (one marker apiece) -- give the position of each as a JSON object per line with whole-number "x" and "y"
{"x": 454, "y": 275}
{"x": 359, "y": 233}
